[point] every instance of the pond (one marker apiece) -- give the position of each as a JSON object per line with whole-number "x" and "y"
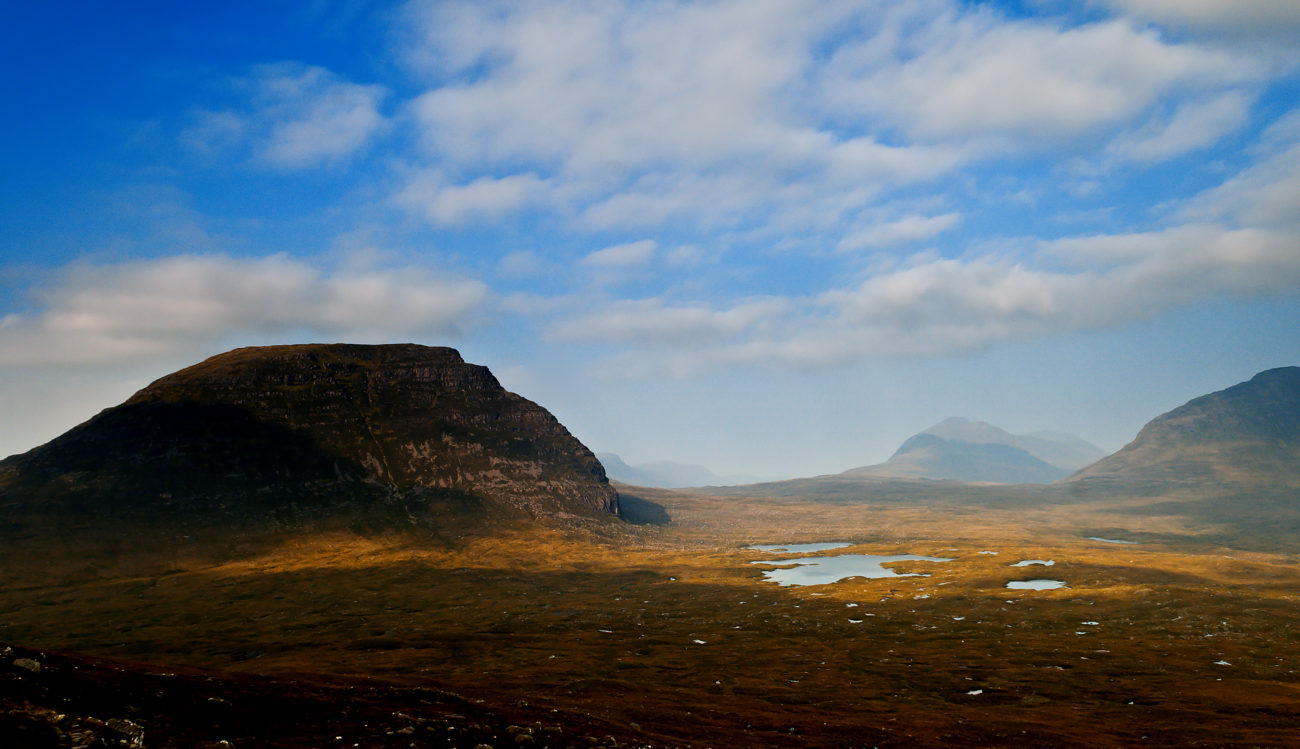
{"x": 1027, "y": 562}
{"x": 826, "y": 570}
{"x": 1109, "y": 540}
{"x": 799, "y": 548}
{"x": 1036, "y": 584}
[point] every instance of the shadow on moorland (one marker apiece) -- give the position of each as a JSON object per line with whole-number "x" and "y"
{"x": 638, "y": 510}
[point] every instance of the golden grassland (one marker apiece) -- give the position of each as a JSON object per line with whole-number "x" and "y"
{"x": 670, "y": 630}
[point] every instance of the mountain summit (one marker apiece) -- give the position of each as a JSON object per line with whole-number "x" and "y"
{"x": 1248, "y": 433}
{"x": 965, "y": 450}
{"x": 295, "y": 430}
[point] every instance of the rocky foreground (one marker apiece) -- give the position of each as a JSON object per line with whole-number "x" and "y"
{"x": 50, "y": 699}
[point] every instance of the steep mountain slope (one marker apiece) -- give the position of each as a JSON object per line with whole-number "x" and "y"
{"x": 301, "y": 429}
{"x": 1246, "y": 434}
{"x": 965, "y": 450}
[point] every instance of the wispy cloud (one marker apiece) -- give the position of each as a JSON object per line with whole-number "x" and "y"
{"x": 428, "y": 193}
{"x": 622, "y": 255}
{"x": 638, "y": 116}
{"x": 1237, "y": 240}
{"x": 1192, "y": 126}
{"x": 901, "y": 230}
{"x": 294, "y": 117}
{"x": 963, "y": 74}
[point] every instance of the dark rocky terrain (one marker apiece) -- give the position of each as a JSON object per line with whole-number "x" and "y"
{"x": 1245, "y": 435}
{"x": 288, "y": 432}
{"x": 53, "y": 699}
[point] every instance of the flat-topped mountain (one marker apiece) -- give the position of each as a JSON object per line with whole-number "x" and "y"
{"x": 964, "y": 450}
{"x": 305, "y": 428}
{"x": 1248, "y": 433}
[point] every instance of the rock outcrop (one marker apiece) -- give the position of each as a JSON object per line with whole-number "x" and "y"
{"x": 306, "y": 428}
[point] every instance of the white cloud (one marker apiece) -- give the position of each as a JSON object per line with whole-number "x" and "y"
{"x": 1267, "y": 194}
{"x": 911, "y": 228}
{"x": 296, "y": 117}
{"x": 976, "y": 74}
{"x": 520, "y": 263}
{"x": 483, "y": 198}
{"x": 637, "y": 115}
{"x": 147, "y": 309}
{"x": 652, "y": 321}
{"x": 1194, "y": 125}
{"x": 781, "y": 113}
{"x": 686, "y": 255}
{"x": 936, "y": 305}
{"x": 622, "y": 255}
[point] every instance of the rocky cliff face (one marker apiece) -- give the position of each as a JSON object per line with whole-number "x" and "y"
{"x": 1246, "y": 434}
{"x": 300, "y": 428}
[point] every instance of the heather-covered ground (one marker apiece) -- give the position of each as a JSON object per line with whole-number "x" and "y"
{"x": 668, "y": 635}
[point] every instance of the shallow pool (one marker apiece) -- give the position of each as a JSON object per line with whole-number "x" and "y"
{"x": 826, "y": 570}
{"x": 1036, "y": 584}
{"x": 799, "y": 548}
{"x": 1109, "y": 540}
{"x": 1027, "y": 562}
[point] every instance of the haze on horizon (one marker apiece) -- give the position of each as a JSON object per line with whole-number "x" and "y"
{"x": 771, "y": 238}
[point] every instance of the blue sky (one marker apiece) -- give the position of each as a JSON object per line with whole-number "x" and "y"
{"x": 767, "y": 236}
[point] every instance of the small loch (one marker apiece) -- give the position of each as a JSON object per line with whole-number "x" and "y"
{"x": 799, "y": 548}
{"x": 826, "y": 570}
{"x": 1036, "y": 584}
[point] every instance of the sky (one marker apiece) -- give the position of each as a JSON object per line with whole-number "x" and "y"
{"x": 771, "y": 237}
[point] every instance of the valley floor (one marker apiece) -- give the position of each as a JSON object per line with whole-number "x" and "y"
{"x": 668, "y": 635}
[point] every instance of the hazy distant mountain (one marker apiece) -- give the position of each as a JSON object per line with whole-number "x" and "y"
{"x": 1059, "y": 449}
{"x": 965, "y": 450}
{"x": 338, "y": 430}
{"x": 1246, "y": 434}
{"x": 665, "y": 474}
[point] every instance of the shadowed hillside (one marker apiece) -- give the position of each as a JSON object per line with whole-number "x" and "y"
{"x": 292, "y": 431}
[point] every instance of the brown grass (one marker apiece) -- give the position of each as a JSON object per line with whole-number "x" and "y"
{"x": 605, "y": 620}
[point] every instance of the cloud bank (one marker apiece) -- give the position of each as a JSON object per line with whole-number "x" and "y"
{"x": 151, "y": 309}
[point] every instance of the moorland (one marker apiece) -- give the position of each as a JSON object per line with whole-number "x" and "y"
{"x": 668, "y": 635}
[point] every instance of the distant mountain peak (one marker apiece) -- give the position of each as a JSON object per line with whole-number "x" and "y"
{"x": 964, "y": 450}
{"x": 667, "y": 474}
